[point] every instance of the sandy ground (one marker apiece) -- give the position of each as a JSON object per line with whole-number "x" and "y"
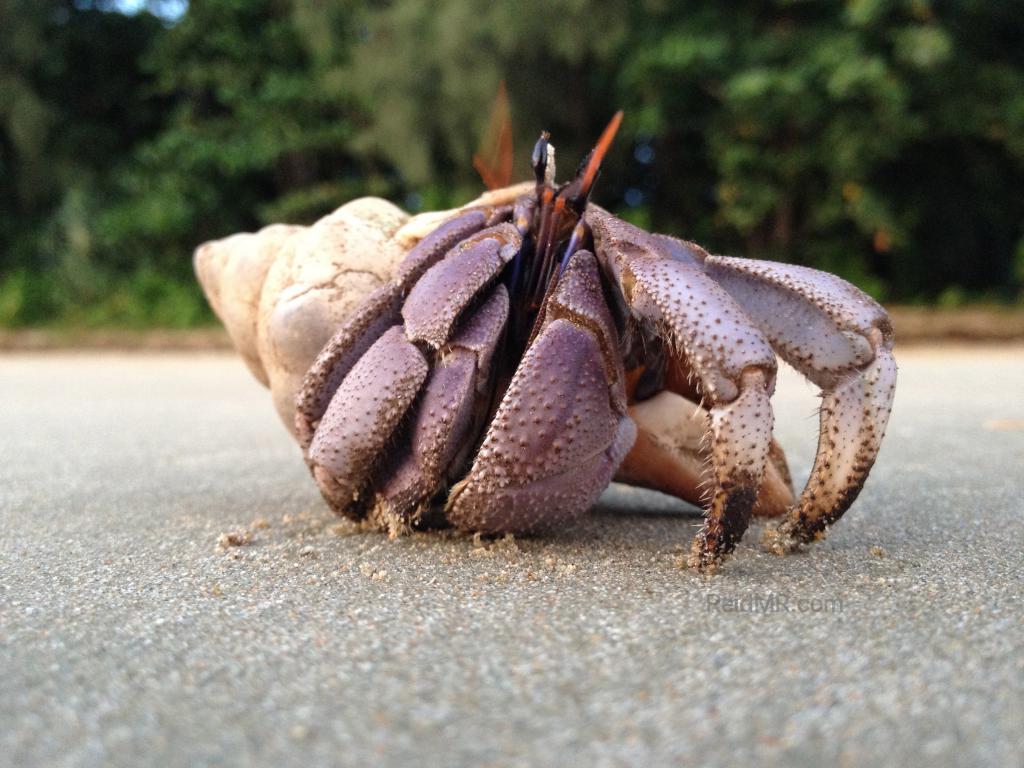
{"x": 128, "y": 637}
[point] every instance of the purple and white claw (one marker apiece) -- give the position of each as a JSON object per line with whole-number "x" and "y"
{"x": 841, "y": 340}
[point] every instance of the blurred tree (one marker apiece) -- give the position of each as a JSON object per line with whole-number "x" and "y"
{"x": 880, "y": 139}
{"x": 255, "y": 134}
{"x": 72, "y": 98}
{"x": 427, "y": 73}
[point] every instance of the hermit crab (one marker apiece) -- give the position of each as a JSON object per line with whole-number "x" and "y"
{"x": 495, "y": 367}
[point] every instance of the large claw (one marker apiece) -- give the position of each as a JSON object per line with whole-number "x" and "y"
{"x": 561, "y": 430}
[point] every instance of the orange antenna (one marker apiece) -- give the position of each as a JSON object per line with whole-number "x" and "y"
{"x": 600, "y": 149}
{"x": 493, "y": 161}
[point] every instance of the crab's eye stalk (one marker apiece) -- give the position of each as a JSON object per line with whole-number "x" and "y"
{"x": 539, "y": 159}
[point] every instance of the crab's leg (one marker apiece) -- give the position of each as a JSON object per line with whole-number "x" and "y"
{"x": 438, "y": 299}
{"x": 561, "y": 429}
{"x": 379, "y": 312}
{"x": 362, "y": 416}
{"x": 432, "y": 248}
{"x": 663, "y": 284}
{"x": 841, "y": 340}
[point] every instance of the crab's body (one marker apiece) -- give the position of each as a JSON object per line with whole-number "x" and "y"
{"x": 525, "y": 352}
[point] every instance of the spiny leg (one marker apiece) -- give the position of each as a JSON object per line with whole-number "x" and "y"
{"x": 378, "y": 313}
{"x": 741, "y": 434}
{"x": 663, "y": 283}
{"x": 363, "y": 413}
{"x": 841, "y": 340}
{"x": 672, "y": 454}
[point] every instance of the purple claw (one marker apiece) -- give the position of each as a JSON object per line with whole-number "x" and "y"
{"x": 448, "y": 415}
{"x": 561, "y": 430}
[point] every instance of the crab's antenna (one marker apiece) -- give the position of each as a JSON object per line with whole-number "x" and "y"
{"x": 598, "y": 153}
{"x": 561, "y": 211}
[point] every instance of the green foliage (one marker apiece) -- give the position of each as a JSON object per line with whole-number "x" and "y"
{"x": 879, "y": 139}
